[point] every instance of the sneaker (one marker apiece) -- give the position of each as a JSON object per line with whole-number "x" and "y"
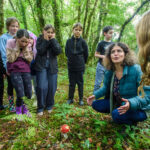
{"x": 49, "y": 111}
{"x": 40, "y": 113}
{"x": 70, "y": 101}
{"x": 81, "y": 103}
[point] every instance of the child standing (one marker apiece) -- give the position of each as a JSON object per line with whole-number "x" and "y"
{"x": 46, "y": 69}
{"x": 100, "y": 53}
{"x": 77, "y": 53}
{"x": 19, "y": 57}
{"x": 12, "y": 25}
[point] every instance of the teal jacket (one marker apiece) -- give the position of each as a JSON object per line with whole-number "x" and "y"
{"x": 128, "y": 84}
{"x": 141, "y": 103}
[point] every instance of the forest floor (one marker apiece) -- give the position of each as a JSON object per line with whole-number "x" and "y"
{"x": 88, "y": 129}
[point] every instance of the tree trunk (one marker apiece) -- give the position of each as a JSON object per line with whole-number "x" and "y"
{"x": 40, "y": 14}
{"x": 1, "y": 16}
{"x": 33, "y": 14}
{"x": 90, "y": 19}
{"x": 23, "y": 12}
{"x": 85, "y": 17}
{"x": 12, "y": 6}
{"x": 57, "y": 23}
{"x": 98, "y": 30}
{"x": 129, "y": 19}
{"x": 79, "y": 11}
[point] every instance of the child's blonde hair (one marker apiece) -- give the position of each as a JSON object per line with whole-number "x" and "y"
{"x": 11, "y": 20}
{"x": 143, "y": 39}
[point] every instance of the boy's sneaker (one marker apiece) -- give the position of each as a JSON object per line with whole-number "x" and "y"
{"x": 70, "y": 101}
{"x": 49, "y": 111}
{"x": 81, "y": 103}
{"x": 40, "y": 113}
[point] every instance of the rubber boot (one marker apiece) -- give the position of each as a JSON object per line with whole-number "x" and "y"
{"x": 11, "y": 104}
{"x": 25, "y": 110}
{"x": 19, "y": 110}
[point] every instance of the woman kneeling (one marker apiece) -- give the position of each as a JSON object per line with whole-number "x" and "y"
{"x": 121, "y": 82}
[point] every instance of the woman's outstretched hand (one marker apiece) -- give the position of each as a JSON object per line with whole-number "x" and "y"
{"x": 124, "y": 108}
{"x": 90, "y": 100}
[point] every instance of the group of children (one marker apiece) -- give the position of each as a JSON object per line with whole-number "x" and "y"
{"x": 24, "y": 57}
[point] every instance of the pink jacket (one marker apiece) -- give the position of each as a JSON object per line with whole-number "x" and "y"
{"x": 13, "y": 52}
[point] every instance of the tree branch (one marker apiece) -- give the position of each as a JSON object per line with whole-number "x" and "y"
{"x": 129, "y": 19}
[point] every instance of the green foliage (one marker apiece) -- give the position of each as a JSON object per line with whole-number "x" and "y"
{"x": 88, "y": 129}
{"x": 113, "y": 12}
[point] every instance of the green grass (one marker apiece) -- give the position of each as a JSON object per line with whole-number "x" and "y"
{"x": 85, "y": 125}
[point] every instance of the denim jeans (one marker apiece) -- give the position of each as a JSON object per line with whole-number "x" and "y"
{"x": 100, "y": 70}
{"x": 45, "y": 90}
{"x": 129, "y": 118}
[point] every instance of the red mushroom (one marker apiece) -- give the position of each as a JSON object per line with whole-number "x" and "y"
{"x": 65, "y": 128}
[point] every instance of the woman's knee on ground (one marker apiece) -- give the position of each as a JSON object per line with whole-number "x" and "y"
{"x": 98, "y": 106}
{"x": 115, "y": 115}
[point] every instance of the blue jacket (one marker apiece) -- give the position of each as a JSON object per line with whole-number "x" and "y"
{"x": 128, "y": 84}
{"x": 3, "y": 42}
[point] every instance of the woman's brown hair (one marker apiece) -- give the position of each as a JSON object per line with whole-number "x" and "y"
{"x": 129, "y": 59}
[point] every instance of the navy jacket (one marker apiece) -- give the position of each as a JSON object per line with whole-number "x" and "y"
{"x": 76, "y": 51}
{"x": 47, "y": 50}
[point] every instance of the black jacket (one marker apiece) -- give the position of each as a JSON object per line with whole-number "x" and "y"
{"x": 47, "y": 50}
{"x": 2, "y": 69}
{"x": 77, "y": 53}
